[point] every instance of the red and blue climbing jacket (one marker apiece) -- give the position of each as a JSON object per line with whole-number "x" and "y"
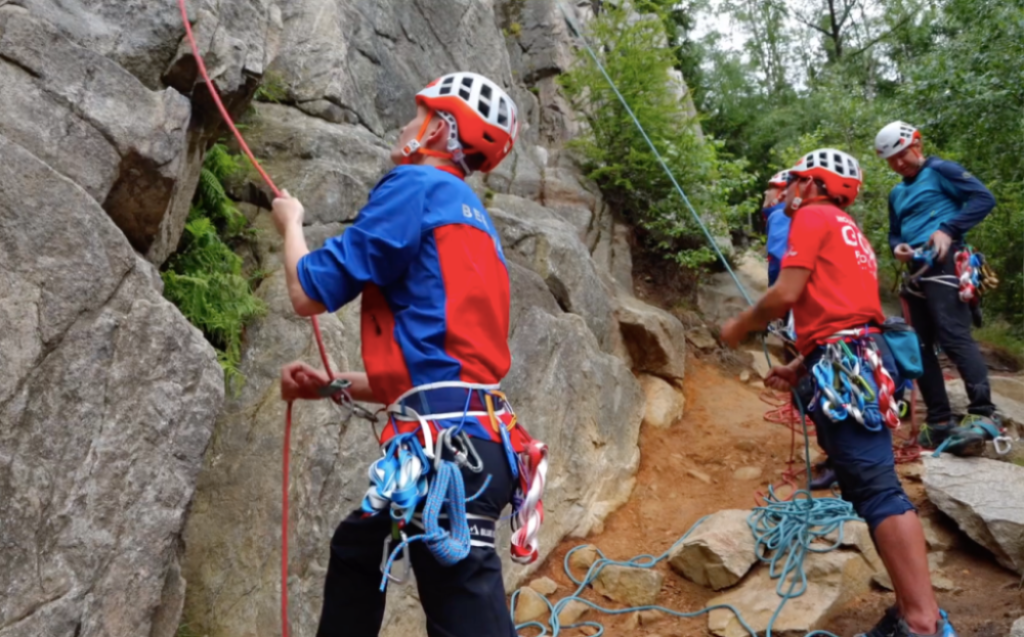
{"x": 428, "y": 261}
{"x": 842, "y": 290}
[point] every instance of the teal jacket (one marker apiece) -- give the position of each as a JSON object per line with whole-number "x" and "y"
{"x": 943, "y": 196}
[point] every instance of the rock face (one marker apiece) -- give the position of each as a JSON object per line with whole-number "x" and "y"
{"x": 720, "y": 299}
{"x": 983, "y": 498}
{"x": 718, "y": 553}
{"x": 834, "y": 578}
{"x": 107, "y": 399}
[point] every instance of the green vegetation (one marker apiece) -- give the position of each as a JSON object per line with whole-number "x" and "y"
{"x": 204, "y": 277}
{"x": 616, "y": 156}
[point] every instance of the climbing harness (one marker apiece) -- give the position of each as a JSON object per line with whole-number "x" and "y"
{"x": 974, "y": 276}
{"x": 857, "y": 385}
{"x": 410, "y": 473}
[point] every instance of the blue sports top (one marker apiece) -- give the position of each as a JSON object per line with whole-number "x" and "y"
{"x": 778, "y": 239}
{"x": 943, "y": 196}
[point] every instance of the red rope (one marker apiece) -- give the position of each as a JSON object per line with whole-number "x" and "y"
{"x": 316, "y": 324}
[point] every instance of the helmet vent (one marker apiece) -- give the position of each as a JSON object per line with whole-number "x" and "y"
{"x": 502, "y": 112}
{"x": 445, "y": 89}
{"x": 488, "y": 137}
{"x": 464, "y": 93}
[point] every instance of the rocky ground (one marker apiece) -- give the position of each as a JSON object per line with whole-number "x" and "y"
{"x": 714, "y": 459}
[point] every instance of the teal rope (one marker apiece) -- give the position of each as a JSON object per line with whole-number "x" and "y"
{"x": 783, "y": 529}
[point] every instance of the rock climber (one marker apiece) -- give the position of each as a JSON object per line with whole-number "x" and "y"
{"x": 933, "y": 208}
{"x": 829, "y": 280}
{"x": 777, "y": 231}
{"x": 427, "y": 259}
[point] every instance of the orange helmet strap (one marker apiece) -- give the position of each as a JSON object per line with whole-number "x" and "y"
{"x": 454, "y": 146}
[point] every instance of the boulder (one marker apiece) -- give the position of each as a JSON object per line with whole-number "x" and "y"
{"x": 531, "y": 606}
{"x": 664, "y": 402}
{"x": 656, "y": 340}
{"x": 718, "y": 553}
{"x": 629, "y": 585}
{"x": 581, "y": 560}
{"x": 1017, "y": 630}
{"x": 983, "y": 497}
{"x": 544, "y": 586}
{"x": 572, "y": 612}
{"x": 834, "y": 578}
{"x": 107, "y": 401}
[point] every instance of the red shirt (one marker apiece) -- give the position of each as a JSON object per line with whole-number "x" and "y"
{"x": 842, "y": 291}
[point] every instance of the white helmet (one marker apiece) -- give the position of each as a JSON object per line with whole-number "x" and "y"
{"x": 779, "y": 179}
{"x": 893, "y": 138}
{"x": 840, "y": 173}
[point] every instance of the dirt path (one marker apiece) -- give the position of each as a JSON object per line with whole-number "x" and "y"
{"x": 724, "y": 430}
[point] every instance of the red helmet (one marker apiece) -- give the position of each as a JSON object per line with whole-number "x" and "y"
{"x": 840, "y": 173}
{"x": 485, "y": 117}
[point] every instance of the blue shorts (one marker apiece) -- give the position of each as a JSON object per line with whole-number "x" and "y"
{"x": 862, "y": 459}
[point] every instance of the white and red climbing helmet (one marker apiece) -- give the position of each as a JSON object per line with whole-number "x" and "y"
{"x": 779, "y": 179}
{"x": 894, "y": 138}
{"x": 840, "y": 173}
{"x": 481, "y": 116}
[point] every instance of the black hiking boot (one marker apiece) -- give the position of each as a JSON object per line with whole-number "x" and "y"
{"x": 887, "y": 626}
{"x": 950, "y": 438}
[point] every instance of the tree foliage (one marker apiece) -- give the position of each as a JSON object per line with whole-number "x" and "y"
{"x": 636, "y": 55}
{"x": 204, "y": 277}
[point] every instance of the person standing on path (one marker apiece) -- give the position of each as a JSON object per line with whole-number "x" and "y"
{"x": 930, "y": 213}
{"x": 830, "y": 281}
{"x": 427, "y": 260}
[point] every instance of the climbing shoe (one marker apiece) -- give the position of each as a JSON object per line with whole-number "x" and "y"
{"x": 989, "y": 426}
{"x": 945, "y": 629}
{"x": 825, "y": 479}
{"x": 950, "y": 438}
{"x": 887, "y": 626}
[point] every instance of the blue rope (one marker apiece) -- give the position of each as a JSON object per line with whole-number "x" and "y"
{"x": 447, "y": 492}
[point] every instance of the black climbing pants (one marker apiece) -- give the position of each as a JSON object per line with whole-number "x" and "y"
{"x": 942, "y": 318}
{"x": 464, "y": 600}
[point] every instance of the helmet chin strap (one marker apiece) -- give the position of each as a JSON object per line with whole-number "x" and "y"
{"x": 799, "y": 202}
{"x": 455, "y": 152}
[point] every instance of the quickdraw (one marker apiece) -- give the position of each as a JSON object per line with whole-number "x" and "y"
{"x": 843, "y": 390}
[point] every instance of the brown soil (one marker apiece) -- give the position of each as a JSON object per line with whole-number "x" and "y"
{"x": 723, "y": 429}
